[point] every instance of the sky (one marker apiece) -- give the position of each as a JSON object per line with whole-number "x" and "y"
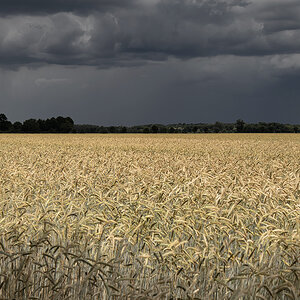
{"x": 132, "y": 62}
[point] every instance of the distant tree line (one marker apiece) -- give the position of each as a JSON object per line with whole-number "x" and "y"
{"x": 239, "y": 126}
{"x": 52, "y": 125}
{"x": 66, "y": 125}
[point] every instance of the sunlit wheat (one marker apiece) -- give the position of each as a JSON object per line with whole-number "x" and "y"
{"x": 150, "y": 216}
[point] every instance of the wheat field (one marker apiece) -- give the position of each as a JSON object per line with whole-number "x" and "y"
{"x": 150, "y": 216}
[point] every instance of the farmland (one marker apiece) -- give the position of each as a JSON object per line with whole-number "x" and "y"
{"x": 150, "y": 216}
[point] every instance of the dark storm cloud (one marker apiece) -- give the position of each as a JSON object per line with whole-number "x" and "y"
{"x": 150, "y": 61}
{"x": 33, "y": 7}
{"x": 117, "y": 33}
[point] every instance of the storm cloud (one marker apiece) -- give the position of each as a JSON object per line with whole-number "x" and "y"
{"x": 101, "y": 33}
{"x": 36, "y": 7}
{"x": 145, "y": 34}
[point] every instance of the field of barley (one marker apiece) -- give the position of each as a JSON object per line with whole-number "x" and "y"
{"x": 150, "y": 216}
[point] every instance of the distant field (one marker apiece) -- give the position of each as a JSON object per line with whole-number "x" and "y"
{"x": 150, "y": 216}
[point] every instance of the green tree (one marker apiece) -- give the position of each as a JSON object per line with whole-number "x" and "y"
{"x": 5, "y": 125}
{"x": 154, "y": 129}
{"x": 31, "y": 126}
{"x": 112, "y": 129}
{"x": 64, "y": 125}
{"x": 17, "y": 127}
{"x": 240, "y": 125}
{"x": 218, "y": 127}
{"x": 171, "y": 130}
{"x": 3, "y": 118}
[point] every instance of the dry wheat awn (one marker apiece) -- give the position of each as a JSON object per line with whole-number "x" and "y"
{"x": 150, "y": 216}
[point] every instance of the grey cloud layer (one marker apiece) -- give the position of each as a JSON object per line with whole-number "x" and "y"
{"x": 33, "y": 7}
{"x": 104, "y": 33}
{"x": 222, "y": 88}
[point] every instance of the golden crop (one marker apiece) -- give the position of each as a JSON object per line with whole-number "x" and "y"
{"x": 150, "y": 216}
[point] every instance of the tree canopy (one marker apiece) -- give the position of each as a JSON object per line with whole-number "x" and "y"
{"x": 66, "y": 125}
{"x": 53, "y": 125}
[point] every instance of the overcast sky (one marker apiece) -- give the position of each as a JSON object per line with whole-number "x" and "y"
{"x": 126, "y": 62}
